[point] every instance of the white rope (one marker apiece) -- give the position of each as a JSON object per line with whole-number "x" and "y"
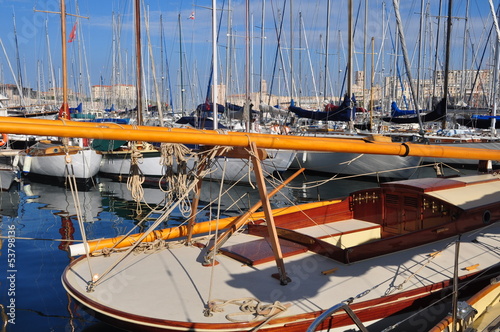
{"x": 136, "y": 178}
{"x": 248, "y": 307}
{"x": 211, "y": 282}
{"x": 174, "y": 159}
{"x": 70, "y": 174}
{"x": 158, "y": 221}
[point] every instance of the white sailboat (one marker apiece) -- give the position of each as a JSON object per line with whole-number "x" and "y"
{"x": 117, "y": 163}
{"x": 61, "y": 159}
{"x": 385, "y": 166}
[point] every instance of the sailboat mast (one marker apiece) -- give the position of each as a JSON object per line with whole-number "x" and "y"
{"x": 447, "y": 60}
{"x": 292, "y": 85}
{"x": 350, "y": 51}
{"x": 181, "y": 65}
{"x": 436, "y": 51}
{"x": 326, "y": 47}
{"x": 420, "y": 49}
{"x": 365, "y": 34}
{"x": 138, "y": 56}
{"x": 407, "y": 61}
{"x": 247, "y": 66}
{"x": 262, "y": 35}
{"x": 495, "y": 72}
{"x": 64, "y": 113}
{"x": 214, "y": 62}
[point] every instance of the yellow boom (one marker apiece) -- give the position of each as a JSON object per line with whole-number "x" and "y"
{"x": 11, "y": 125}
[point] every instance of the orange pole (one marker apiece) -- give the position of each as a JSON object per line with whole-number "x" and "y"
{"x": 287, "y": 142}
{"x": 112, "y": 125}
{"x": 182, "y": 231}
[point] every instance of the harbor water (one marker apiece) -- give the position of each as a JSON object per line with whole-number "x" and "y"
{"x": 39, "y": 221}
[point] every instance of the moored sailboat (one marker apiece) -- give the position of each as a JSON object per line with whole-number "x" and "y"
{"x": 375, "y": 242}
{"x": 62, "y": 159}
{"x": 362, "y": 249}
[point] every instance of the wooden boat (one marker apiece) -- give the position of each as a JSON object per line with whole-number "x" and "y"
{"x": 384, "y": 248}
{"x": 57, "y": 160}
{"x": 479, "y": 313}
{"x": 64, "y": 158}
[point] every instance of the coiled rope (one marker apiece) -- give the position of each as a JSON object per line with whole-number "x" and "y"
{"x": 136, "y": 178}
{"x": 174, "y": 159}
{"x": 248, "y": 306}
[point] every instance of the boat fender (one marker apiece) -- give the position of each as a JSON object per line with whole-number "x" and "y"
{"x": 78, "y": 249}
{"x": 487, "y": 217}
{"x": 4, "y": 140}
{"x": 27, "y": 190}
{"x": 15, "y": 162}
{"x": 27, "y": 164}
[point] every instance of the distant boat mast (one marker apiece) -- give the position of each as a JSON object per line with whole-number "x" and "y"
{"x": 64, "y": 111}
{"x": 138, "y": 56}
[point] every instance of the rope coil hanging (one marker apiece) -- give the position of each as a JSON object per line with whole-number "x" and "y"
{"x": 136, "y": 178}
{"x": 174, "y": 159}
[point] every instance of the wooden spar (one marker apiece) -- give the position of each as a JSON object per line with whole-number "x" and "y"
{"x": 244, "y": 218}
{"x": 181, "y": 231}
{"x": 271, "y": 227}
{"x": 11, "y": 125}
{"x": 196, "y": 199}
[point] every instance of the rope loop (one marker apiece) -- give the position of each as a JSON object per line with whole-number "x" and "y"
{"x": 136, "y": 178}
{"x": 248, "y": 307}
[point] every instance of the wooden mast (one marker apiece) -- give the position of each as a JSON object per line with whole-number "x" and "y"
{"x": 64, "y": 110}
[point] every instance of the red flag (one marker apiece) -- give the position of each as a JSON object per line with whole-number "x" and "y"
{"x": 72, "y": 34}
{"x": 191, "y": 17}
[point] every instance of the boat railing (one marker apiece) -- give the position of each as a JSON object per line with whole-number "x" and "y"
{"x": 328, "y": 313}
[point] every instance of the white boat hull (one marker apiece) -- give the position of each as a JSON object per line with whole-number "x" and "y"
{"x": 84, "y": 164}
{"x": 387, "y": 166}
{"x": 120, "y": 166}
{"x": 7, "y": 176}
{"x": 235, "y": 170}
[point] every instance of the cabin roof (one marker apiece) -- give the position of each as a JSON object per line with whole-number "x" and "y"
{"x": 463, "y": 192}
{"x": 424, "y": 185}
{"x": 479, "y": 191}
{"x": 433, "y": 184}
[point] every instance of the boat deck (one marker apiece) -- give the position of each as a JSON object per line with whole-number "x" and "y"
{"x": 342, "y": 234}
{"x": 177, "y": 286}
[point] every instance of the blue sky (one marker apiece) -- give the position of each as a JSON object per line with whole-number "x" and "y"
{"x": 91, "y": 54}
